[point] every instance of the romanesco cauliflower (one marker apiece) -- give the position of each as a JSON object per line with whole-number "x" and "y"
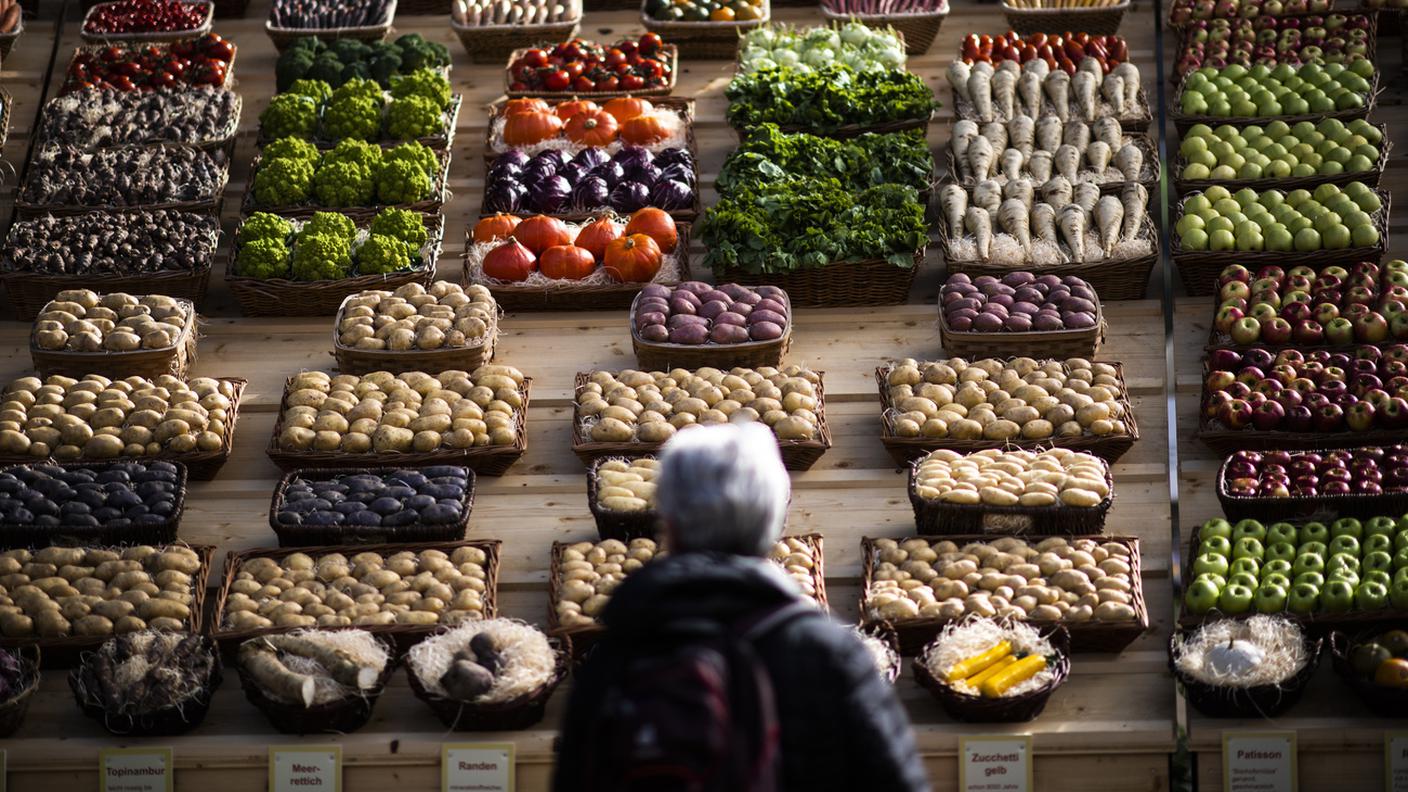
{"x": 416, "y": 153}
{"x": 326, "y": 67}
{"x": 343, "y": 184}
{"x": 317, "y": 90}
{"x": 357, "y": 152}
{"x": 262, "y": 225}
{"x": 405, "y": 225}
{"x": 320, "y": 257}
{"x": 291, "y": 148}
{"x": 381, "y": 254}
{"x": 401, "y": 182}
{"x": 262, "y": 258}
{"x": 333, "y": 224}
{"x": 357, "y": 86}
{"x": 282, "y": 182}
{"x": 290, "y": 115}
{"x": 422, "y": 82}
{"x": 413, "y": 117}
{"x": 353, "y": 117}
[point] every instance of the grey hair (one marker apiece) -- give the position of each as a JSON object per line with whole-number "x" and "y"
{"x": 723, "y": 488}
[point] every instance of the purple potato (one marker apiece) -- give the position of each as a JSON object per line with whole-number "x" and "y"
{"x": 984, "y": 280}
{"x": 741, "y": 308}
{"x": 750, "y": 298}
{"x": 950, "y": 296}
{"x": 774, "y": 292}
{"x": 1049, "y": 280}
{"x": 769, "y": 304}
{"x": 731, "y": 318}
{"x": 1083, "y": 292}
{"x": 959, "y": 277}
{"x": 680, "y": 320}
{"x": 1005, "y": 300}
{"x": 680, "y": 306}
{"x": 653, "y": 304}
{"x": 996, "y": 309}
{"x": 712, "y": 308}
{"x": 1019, "y": 278}
{"x": 716, "y": 295}
{"x": 694, "y": 287}
{"x": 733, "y": 290}
{"x": 960, "y": 323}
{"x": 968, "y": 313}
{"x": 652, "y": 318}
{"x": 728, "y": 334}
{"x": 655, "y": 290}
{"x": 762, "y": 315}
{"x": 966, "y": 302}
{"x": 1017, "y": 323}
{"x": 987, "y": 323}
{"x": 765, "y": 331}
{"x": 1024, "y": 308}
{"x": 656, "y": 333}
{"x": 1077, "y": 304}
{"x": 1078, "y": 320}
{"x": 1029, "y": 294}
{"x": 693, "y": 334}
{"x": 1046, "y": 322}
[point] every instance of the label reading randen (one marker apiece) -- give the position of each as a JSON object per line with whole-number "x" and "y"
{"x": 1259, "y": 761}
{"x": 477, "y": 767}
{"x": 305, "y": 768}
{"x": 995, "y": 764}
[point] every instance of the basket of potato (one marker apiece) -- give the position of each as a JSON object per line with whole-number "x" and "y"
{"x": 1010, "y": 491}
{"x": 403, "y": 591}
{"x": 695, "y": 324}
{"x": 970, "y": 405}
{"x": 621, "y": 496}
{"x": 84, "y": 503}
{"x": 69, "y": 599}
{"x": 1089, "y": 585}
{"x": 100, "y": 419}
{"x": 582, "y": 575}
{"x": 416, "y": 329}
{"x": 118, "y": 335}
{"x": 631, "y": 412}
{"x": 475, "y": 419}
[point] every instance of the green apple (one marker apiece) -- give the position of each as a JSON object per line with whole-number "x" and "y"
{"x": 1215, "y": 527}
{"x": 1344, "y": 544}
{"x": 1214, "y": 194}
{"x": 1312, "y": 548}
{"x": 1277, "y": 578}
{"x": 1235, "y": 599}
{"x": 1347, "y": 526}
{"x": 1271, "y": 598}
{"x": 1210, "y": 564}
{"x": 1338, "y": 561}
{"x": 1281, "y": 532}
{"x": 1304, "y": 598}
{"x": 1377, "y": 543}
{"x": 1245, "y": 578}
{"x": 1377, "y": 561}
{"x": 1336, "y": 237}
{"x": 1314, "y": 578}
{"x": 1275, "y": 566}
{"x": 1248, "y": 547}
{"x": 1379, "y": 526}
{"x": 1308, "y": 563}
{"x": 1400, "y": 558}
{"x": 1368, "y": 201}
{"x": 1197, "y": 203}
{"x": 1337, "y": 597}
{"x": 1249, "y": 238}
{"x": 1194, "y": 239}
{"x": 1247, "y": 564}
{"x": 1223, "y": 240}
{"x": 1364, "y": 236}
{"x": 1400, "y": 540}
{"x": 1196, "y": 171}
{"x": 1371, "y": 596}
{"x": 1282, "y": 551}
{"x": 1279, "y": 238}
{"x": 1398, "y": 594}
{"x": 1201, "y": 596}
{"x": 1249, "y": 529}
{"x": 1307, "y": 240}
{"x": 1220, "y": 545}
{"x": 1376, "y": 576}
{"x": 1314, "y": 532}
{"x": 1188, "y": 222}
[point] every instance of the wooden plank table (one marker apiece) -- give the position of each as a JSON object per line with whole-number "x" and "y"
{"x": 1110, "y": 728}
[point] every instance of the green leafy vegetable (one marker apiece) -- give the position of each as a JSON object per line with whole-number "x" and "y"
{"x": 769, "y": 154}
{"x": 827, "y": 98}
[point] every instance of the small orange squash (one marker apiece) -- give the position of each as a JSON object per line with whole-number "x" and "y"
{"x": 526, "y": 129}
{"x": 565, "y": 110}
{"x": 627, "y": 107}
{"x": 495, "y": 227}
{"x": 566, "y": 262}
{"x": 594, "y": 128}
{"x": 596, "y": 235}
{"x": 643, "y": 130}
{"x": 517, "y": 106}
{"x": 540, "y": 232}
{"x": 633, "y": 259}
{"x": 656, "y": 224}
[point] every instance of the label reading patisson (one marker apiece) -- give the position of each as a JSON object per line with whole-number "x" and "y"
{"x": 1396, "y": 762}
{"x": 477, "y": 767}
{"x": 1259, "y": 761}
{"x": 995, "y": 764}
{"x": 305, "y": 769}
{"x": 135, "y": 769}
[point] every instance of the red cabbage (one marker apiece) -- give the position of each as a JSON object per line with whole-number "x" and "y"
{"x": 628, "y": 196}
{"x": 589, "y": 158}
{"x": 610, "y": 172}
{"x": 674, "y": 156}
{"x": 644, "y": 172}
{"x": 678, "y": 172}
{"x": 512, "y": 157}
{"x": 550, "y": 195}
{"x": 672, "y": 195}
{"x": 632, "y": 155}
{"x": 573, "y": 172}
{"x": 555, "y": 157}
{"x": 591, "y": 193}
{"x": 504, "y": 196}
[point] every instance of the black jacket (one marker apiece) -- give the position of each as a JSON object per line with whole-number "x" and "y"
{"x": 842, "y": 727}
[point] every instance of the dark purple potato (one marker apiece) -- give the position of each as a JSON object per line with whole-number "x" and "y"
{"x": 769, "y": 304}
{"x": 1078, "y": 321}
{"x": 1015, "y": 279}
{"x": 966, "y": 302}
{"x": 765, "y": 331}
{"x": 656, "y": 333}
{"x": 731, "y": 318}
{"x": 996, "y": 309}
{"x": 733, "y": 290}
{"x": 728, "y": 334}
{"x": 652, "y": 318}
{"x": 959, "y": 277}
{"x": 1049, "y": 280}
{"x": 1025, "y": 308}
{"x": 1018, "y": 323}
{"x": 655, "y": 290}
{"x": 1078, "y": 304}
{"x": 950, "y": 296}
{"x": 1029, "y": 294}
{"x": 694, "y": 287}
{"x": 679, "y": 305}
{"x": 653, "y": 304}
{"x": 1083, "y": 292}
{"x": 693, "y": 334}
{"x": 772, "y": 292}
{"x": 963, "y": 288}
{"x": 993, "y": 288}
{"x": 960, "y": 323}
{"x": 761, "y": 315}
{"x": 712, "y": 308}
{"x": 1005, "y": 300}
{"x": 1074, "y": 280}
{"x": 716, "y": 294}
{"x": 680, "y": 320}
{"x": 987, "y": 323}
{"x": 984, "y": 280}
{"x": 751, "y": 298}
{"x": 962, "y": 313}
{"x": 741, "y": 308}
{"x": 1047, "y": 322}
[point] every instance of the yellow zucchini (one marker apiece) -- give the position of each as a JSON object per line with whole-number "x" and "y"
{"x": 1013, "y": 675}
{"x": 979, "y": 678}
{"x": 969, "y": 666}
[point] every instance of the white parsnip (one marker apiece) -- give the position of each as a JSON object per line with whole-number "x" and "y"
{"x": 1021, "y": 135}
{"x": 1097, "y": 155}
{"x": 996, "y": 133}
{"x": 988, "y": 195}
{"x": 980, "y": 157}
{"x": 1010, "y": 164}
{"x": 1086, "y": 195}
{"x": 1044, "y": 223}
{"x": 1071, "y": 222}
{"x": 1029, "y": 92}
{"x": 1021, "y": 189}
{"x": 954, "y": 200}
{"x": 963, "y": 133}
{"x": 1014, "y": 218}
{"x": 1109, "y": 214}
{"x": 1130, "y": 161}
{"x": 1040, "y": 165}
{"x": 1057, "y": 191}
{"x": 980, "y": 94}
{"x": 1129, "y": 74}
{"x": 1076, "y": 133}
{"x": 978, "y": 222}
{"x": 1004, "y": 93}
{"x": 1112, "y": 89}
{"x": 1067, "y": 162}
{"x": 1135, "y": 199}
{"x": 1057, "y": 86}
{"x": 1050, "y": 132}
{"x": 1085, "y": 93}
{"x": 1107, "y": 128}
{"x": 958, "y": 74}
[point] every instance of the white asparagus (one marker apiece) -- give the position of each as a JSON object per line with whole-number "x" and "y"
{"x": 980, "y": 157}
{"x": 1029, "y": 92}
{"x": 1112, "y": 88}
{"x": 1109, "y": 214}
{"x": 1130, "y": 73}
{"x": 1050, "y": 132}
{"x": 980, "y": 94}
{"x": 1021, "y": 134}
{"x": 1108, "y": 129}
{"x": 1010, "y": 164}
{"x": 1058, "y": 89}
{"x": 1135, "y": 199}
{"x": 1014, "y": 218}
{"x": 1087, "y": 193}
{"x": 1076, "y": 133}
{"x": 987, "y": 194}
{"x": 1004, "y": 93}
{"x": 996, "y": 133}
{"x": 954, "y": 200}
{"x": 1097, "y": 155}
{"x": 979, "y": 223}
{"x": 958, "y": 74}
{"x": 1057, "y": 191}
{"x": 1071, "y": 222}
{"x": 1130, "y": 161}
{"x": 1067, "y": 162}
{"x": 1044, "y": 223}
{"x": 963, "y": 133}
{"x": 1039, "y": 166}
{"x": 1085, "y": 89}
{"x": 1020, "y": 189}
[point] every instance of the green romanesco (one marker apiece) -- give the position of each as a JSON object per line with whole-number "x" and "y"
{"x": 317, "y": 90}
{"x": 332, "y": 224}
{"x": 262, "y": 258}
{"x": 262, "y": 225}
{"x": 405, "y": 225}
{"x": 282, "y": 182}
{"x": 414, "y": 117}
{"x": 400, "y": 182}
{"x": 353, "y": 117}
{"x": 382, "y": 254}
{"x": 423, "y": 82}
{"x": 321, "y": 258}
{"x": 343, "y": 184}
{"x": 291, "y": 148}
{"x": 357, "y": 152}
{"x": 357, "y": 87}
{"x": 290, "y": 115}
{"x": 416, "y": 153}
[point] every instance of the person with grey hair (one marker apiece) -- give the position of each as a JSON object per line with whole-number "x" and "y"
{"x": 714, "y": 674}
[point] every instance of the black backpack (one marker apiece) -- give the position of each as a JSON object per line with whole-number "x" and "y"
{"x": 692, "y": 710}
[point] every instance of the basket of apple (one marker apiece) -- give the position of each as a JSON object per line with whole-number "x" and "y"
{"x": 1374, "y": 663}
{"x": 1331, "y": 225}
{"x": 1303, "y": 400}
{"x": 1240, "y": 95}
{"x": 1282, "y": 156}
{"x": 1305, "y": 307}
{"x": 1183, "y": 13}
{"x": 1283, "y": 485}
{"x": 1273, "y": 40}
{"x": 1256, "y": 667}
{"x": 1342, "y": 573}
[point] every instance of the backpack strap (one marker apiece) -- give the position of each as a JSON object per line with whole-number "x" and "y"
{"x": 755, "y": 628}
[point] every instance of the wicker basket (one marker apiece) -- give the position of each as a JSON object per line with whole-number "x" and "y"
{"x": 176, "y": 359}
{"x": 663, "y": 356}
{"x": 400, "y": 636}
{"x": 12, "y": 712}
{"x": 624, "y": 526}
{"x": 351, "y": 360}
{"x": 343, "y": 716}
{"x": 672, "y": 57}
{"x": 797, "y": 455}
{"x": 210, "y": 204}
{"x": 840, "y": 284}
{"x": 1140, "y": 121}
{"x": 70, "y": 83}
{"x": 165, "y": 722}
{"x": 1036, "y": 343}
{"x": 440, "y": 195}
{"x": 1184, "y": 122}
{"x": 917, "y": 30}
{"x": 1383, "y": 701}
{"x": 705, "y": 40}
{"x": 969, "y": 708}
{"x": 1321, "y": 506}
{"x": 483, "y": 460}
{"x": 1095, "y": 20}
{"x": 494, "y": 43}
{"x": 1199, "y": 269}
{"x": 67, "y": 651}
{"x": 31, "y": 535}
{"x": 905, "y": 449}
{"x": 283, "y": 36}
{"x": 1087, "y": 636}
{"x": 885, "y": 634}
{"x": 440, "y": 140}
{"x": 1370, "y": 177}
{"x": 223, "y": 142}
{"x": 324, "y": 535}
{"x": 568, "y": 296}
{"x": 1260, "y": 701}
{"x": 1140, "y": 140}
{"x": 142, "y": 38}
{"x": 938, "y": 518}
{"x": 1126, "y": 279}
{"x": 519, "y": 713}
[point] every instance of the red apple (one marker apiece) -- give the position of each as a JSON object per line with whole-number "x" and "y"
{"x": 1370, "y": 328}
{"x": 1276, "y": 331}
{"x": 1360, "y": 416}
{"x": 1329, "y": 418}
{"x": 1268, "y": 416}
{"x": 1236, "y": 414}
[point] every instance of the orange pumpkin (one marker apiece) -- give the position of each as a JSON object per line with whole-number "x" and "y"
{"x": 566, "y": 262}
{"x": 517, "y": 106}
{"x": 644, "y": 130}
{"x": 596, "y": 235}
{"x": 540, "y": 232}
{"x": 494, "y": 228}
{"x": 627, "y": 107}
{"x": 526, "y": 129}
{"x": 565, "y": 110}
{"x": 632, "y": 259}
{"x": 596, "y": 128}
{"x": 656, "y": 224}
{"x": 510, "y": 261}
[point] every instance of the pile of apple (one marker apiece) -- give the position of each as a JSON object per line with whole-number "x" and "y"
{"x": 1331, "y": 218}
{"x": 1265, "y": 92}
{"x": 1336, "y": 38}
{"x": 1307, "y": 570}
{"x": 1365, "y": 304}
{"x": 1368, "y": 470}
{"x": 1312, "y": 391}
{"x": 1280, "y": 150}
{"x": 1185, "y": 11}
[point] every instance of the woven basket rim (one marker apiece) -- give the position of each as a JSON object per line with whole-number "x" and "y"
{"x": 173, "y": 520}
{"x": 434, "y": 226}
{"x": 1244, "y": 700}
{"x": 322, "y": 474}
{"x": 1058, "y": 509}
{"x": 150, "y": 36}
{"x": 335, "y": 32}
{"x": 188, "y": 332}
{"x": 592, "y": 485}
{"x": 745, "y": 346}
{"x": 674, "y": 62}
{"x": 1121, "y": 5}
{"x": 195, "y": 205}
{"x": 830, "y": 14}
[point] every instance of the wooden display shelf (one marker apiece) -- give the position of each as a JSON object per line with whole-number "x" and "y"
{"x": 1110, "y": 729}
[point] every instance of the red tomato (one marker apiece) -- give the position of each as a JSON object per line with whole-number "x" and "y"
{"x": 614, "y": 57}
{"x": 1028, "y": 53}
{"x": 650, "y": 43}
{"x": 608, "y": 83}
{"x": 557, "y": 80}
{"x": 535, "y": 58}
{"x": 584, "y": 84}
{"x": 628, "y": 48}
{"x": 1095, "y": 50}
{"x": 632, "y": 82}
{"x": 1037, "y": 39}
{"x": 574, "y": 69}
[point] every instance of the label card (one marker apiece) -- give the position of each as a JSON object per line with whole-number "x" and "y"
{"x": 1396, "y": 761}
{"x": 136, "y": 770}
{"x": 476, "y": 767}
{"x": 301, "y": 768}
{"x": 995, "y": 763}
{"x": 1259, "y": 761}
